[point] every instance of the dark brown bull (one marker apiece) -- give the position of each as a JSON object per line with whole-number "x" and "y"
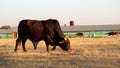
{"x": 80, "y": 34}
{"x": 113, "y": 33}
{"x": 47, "y": 30}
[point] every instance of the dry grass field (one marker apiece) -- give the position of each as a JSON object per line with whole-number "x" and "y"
{"x": 86, "y": 53}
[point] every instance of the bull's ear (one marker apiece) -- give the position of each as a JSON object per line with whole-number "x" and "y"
{"x": 65, "y": 39}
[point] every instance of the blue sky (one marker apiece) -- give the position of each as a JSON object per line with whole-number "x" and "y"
{"x": 82, "y": 12}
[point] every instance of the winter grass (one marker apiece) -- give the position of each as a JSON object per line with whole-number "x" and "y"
{"x": 86, "y": 53}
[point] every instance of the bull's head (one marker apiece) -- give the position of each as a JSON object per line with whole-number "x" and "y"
{"x": 65, "y": 44}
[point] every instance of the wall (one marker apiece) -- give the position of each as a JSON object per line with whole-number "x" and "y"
{"x": 89, "y": 33}
{"x": 5, "y": 35}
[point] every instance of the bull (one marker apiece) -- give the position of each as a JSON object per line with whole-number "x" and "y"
{"x": 37, "y": 30}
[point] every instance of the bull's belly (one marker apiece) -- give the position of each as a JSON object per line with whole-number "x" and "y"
{"x": 35, "y": 37}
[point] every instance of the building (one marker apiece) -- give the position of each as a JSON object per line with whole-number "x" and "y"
{"x": 8, "y": 33}
{"x": 90, "y": 30}
{"x": 87, "y": 30}
{"x": 5, "y": 33}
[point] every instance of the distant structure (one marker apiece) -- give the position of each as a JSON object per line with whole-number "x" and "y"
{"x": 5, "y": 27}
{"x": 65, "y": 25}
{"x": 72, "y": 23}
{"x": 84, "y": 30}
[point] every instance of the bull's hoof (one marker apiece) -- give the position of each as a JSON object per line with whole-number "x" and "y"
{"x": 48, "y": 51}
{"x": 69, "y": 50}
{"x": 15, "y": 50}
{"x": 52, "y": 49}
{"x": 24, "y": 50}
{"x": 35, "y": 48}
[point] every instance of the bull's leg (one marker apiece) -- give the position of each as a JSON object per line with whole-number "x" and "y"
{"x": 54, "y": 47}
{"x": 35, "y": 44}
{"x": 17, "y": 43}
{"x": 47, "y": 47}
{"x": 23, "y": 45}
{"x": 50, "y": 39}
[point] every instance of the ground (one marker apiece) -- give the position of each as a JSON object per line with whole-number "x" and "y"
{"x": 86, "y": 53}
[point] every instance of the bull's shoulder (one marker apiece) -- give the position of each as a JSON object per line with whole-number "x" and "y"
{"x": 36, "y": 22}
{"x": 53, "y": 22}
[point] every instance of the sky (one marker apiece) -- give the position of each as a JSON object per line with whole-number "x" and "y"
{"x": 82, "y": 12}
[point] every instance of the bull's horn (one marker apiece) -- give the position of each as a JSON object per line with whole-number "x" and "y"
{"x": 61, "y": 42}
{"x": 65, "y": 38}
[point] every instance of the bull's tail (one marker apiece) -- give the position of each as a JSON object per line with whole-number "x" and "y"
{"x": 22, "y": 28}
{"x": 19, "y": 41}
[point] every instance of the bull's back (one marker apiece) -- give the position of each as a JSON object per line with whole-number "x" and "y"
{"x": 36, "y": 29}
{"x": 31, "y": 29}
